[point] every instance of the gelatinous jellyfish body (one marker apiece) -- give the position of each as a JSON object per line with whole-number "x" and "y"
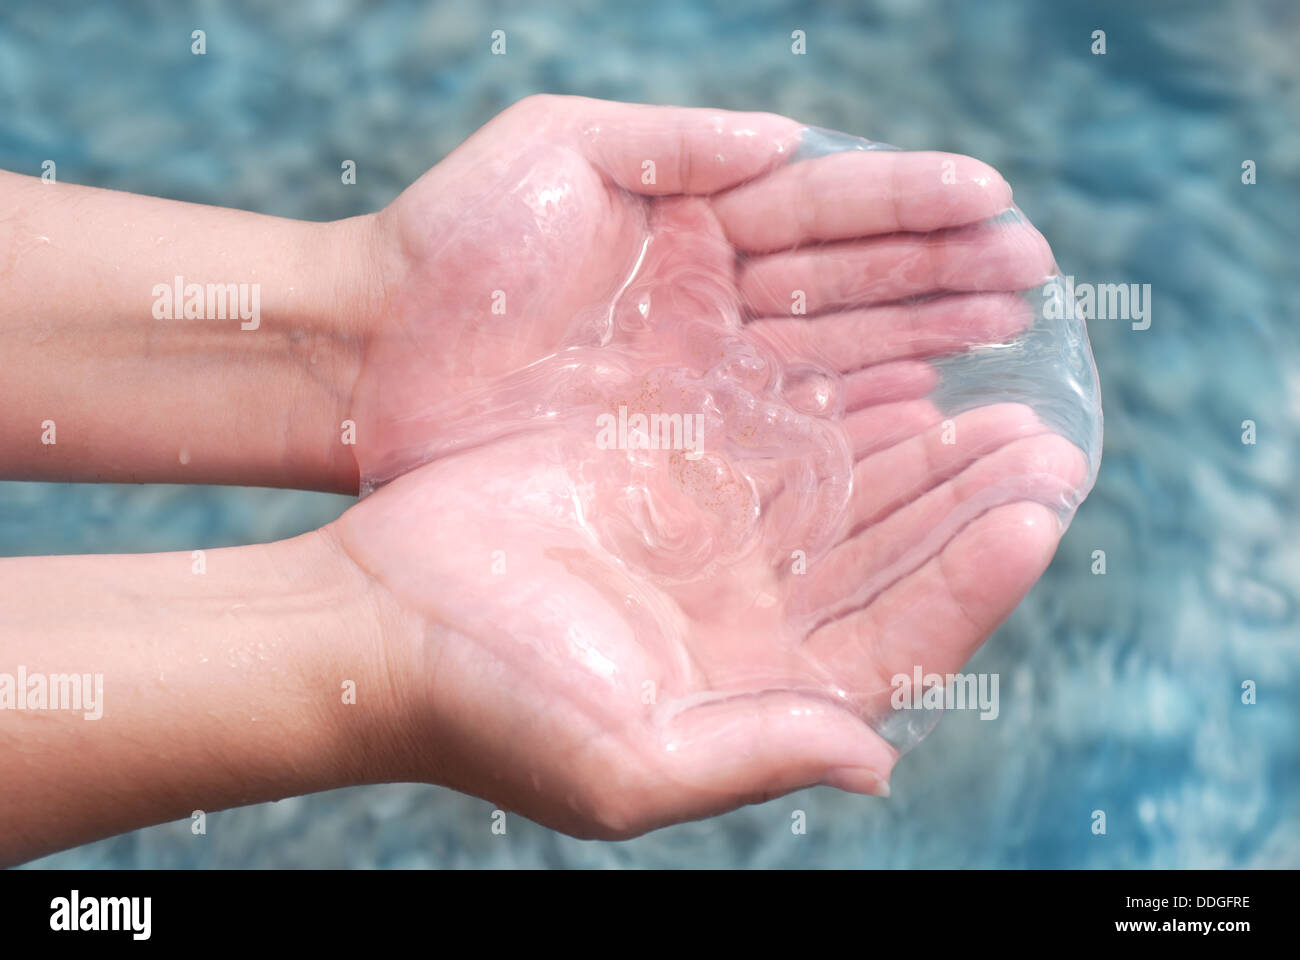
{"x": 797, "y": 437}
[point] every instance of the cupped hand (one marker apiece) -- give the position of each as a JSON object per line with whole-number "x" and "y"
{"x": 516, "y": 245}
{"x": 609, "y": 640}
{"x": 545, "y": 672}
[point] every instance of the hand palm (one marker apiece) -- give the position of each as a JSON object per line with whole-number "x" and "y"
{"x": 687, "y": 661}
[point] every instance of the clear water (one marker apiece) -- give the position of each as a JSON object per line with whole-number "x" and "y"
{"x": 1119, "y": 692}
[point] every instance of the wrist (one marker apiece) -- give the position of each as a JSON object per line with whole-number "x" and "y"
{"x": 355, "y": 666}
{"x": 387, "y": 732}
{"x": 327, "y": 305}
{"x": 354, "y": 268}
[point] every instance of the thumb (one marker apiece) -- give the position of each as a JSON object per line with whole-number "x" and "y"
{"x": 753, "y": 747}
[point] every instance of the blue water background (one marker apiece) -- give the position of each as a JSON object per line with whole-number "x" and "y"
{"x": 1120, "y": 692}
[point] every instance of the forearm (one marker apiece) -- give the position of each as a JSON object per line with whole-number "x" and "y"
{"x": 104, "y": 377}
{"x": 222, "y": 684}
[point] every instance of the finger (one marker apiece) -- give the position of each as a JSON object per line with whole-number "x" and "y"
{"x": 879, "y": 427}
{"x": 937, "y": 617}
{"x": 892, "y": 478}
{"x": 656, "y": 150}
{"x": 985, "y": 257}
{"x": 887, "y": 383}
{"x": 929, "y": 328}
{"x": 860, "y": 193}
{"x": 1046, "y": 469}
{"x": 753, "y": 747}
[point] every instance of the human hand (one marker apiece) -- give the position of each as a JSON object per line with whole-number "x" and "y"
{"x": 565, "y": 677}
{"x": 611, "y": 640}
{"x": 518, "y": 246}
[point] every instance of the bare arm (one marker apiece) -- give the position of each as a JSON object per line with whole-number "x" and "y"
{"x": 99, "y": 356}
{"x": 152, "y": 686}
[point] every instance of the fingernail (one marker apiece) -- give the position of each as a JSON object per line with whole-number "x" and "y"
{"x": 857, "y": 780}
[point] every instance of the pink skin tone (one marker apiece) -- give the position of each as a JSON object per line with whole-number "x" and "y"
{"x": 526, "y": 687}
